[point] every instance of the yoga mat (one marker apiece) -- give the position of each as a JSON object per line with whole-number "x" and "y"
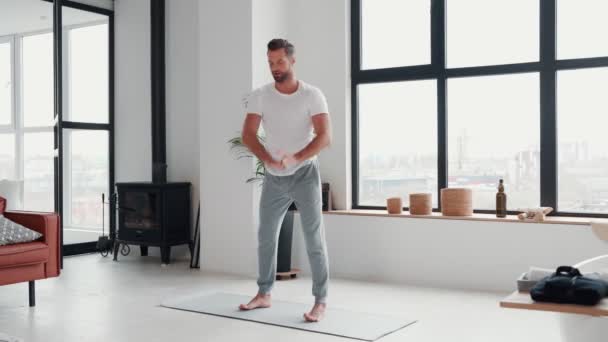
{"x": 7, "y": 338}
{"x": 337, "y": 322}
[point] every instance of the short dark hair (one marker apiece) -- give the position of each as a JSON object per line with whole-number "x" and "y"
{"x": 279, "y": 43}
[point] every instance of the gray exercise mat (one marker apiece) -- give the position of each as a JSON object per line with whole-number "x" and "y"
{"x": 338, "y": 322}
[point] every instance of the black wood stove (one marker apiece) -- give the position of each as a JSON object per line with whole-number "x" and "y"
{"x": 156, "y": 213}
{"x": 153, "y": 214}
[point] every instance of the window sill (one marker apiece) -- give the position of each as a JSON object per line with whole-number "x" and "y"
{"x": 579, "y": 221}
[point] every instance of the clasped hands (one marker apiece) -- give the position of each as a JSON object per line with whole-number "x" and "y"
{"x": 286, "y": 160}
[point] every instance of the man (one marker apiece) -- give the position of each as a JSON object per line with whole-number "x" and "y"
{"x": 290, "y": 111}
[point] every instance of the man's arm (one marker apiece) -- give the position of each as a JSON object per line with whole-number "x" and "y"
{"x": 250, "y": 139}
{"x": 322, "y": 127}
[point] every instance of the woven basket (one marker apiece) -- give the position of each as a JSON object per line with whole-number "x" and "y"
{"x": 421, "y": 204}
{"x": 394, "y": 205}
{"x": 456, "y": 202}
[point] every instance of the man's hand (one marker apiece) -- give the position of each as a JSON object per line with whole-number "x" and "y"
{"x": 277, "y": 165}
{"x": 289, "y": 160}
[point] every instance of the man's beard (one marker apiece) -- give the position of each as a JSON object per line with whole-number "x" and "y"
{"x": 281, "y": 77}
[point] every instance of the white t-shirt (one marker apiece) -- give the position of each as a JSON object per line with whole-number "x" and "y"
{"x": 286, "y": 120}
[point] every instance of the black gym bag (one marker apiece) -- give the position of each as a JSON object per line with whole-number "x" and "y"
{"x": 568, "y": 285}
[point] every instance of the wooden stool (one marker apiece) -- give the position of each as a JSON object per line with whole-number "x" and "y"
{"x": 288, "y": 275}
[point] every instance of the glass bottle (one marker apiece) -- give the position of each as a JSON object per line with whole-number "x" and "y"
{"x": 501, "y": 201}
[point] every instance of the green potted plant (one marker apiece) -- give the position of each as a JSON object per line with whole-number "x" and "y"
{"x": 286, "y": 235}
{"x": 241, "y": 151}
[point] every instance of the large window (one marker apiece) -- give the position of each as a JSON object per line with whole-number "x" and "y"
{"x": 87, "y": 66}
{"x": 26, "y": 122}
{"x": 393, "y": 21}
{"x": 7, "y": 134}
{"x": 86, "y": 129}
{"x": 38, "y": 171}
{"x": 56, "y": 114}
{"x": 36, "y": 120}
{"x": 85, "y": 177}
{"x": 398, "y": 137}
{"x": 492, "y": 136}
{"x": 7, "y": 156}
{"x": 6, "y": 81}
{"x": 26, "y": 115}
{"x": 491, "y": 32}
{"x": 465, "y": 93}
{"x": 582, "y": 28}
{"x": 37, "y": 80}
{"x": 582, "y": 117}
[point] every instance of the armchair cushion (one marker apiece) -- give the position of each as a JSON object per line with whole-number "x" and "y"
{"x": 23, "y": 254}
{"x": 12, "y": 232}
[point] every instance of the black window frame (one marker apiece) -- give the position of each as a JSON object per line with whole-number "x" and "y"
{"x": 547, "y": 67}
{"x": 60, "y": 124}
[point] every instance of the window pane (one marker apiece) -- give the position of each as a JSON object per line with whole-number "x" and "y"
{"x": 7, "y": 156}
{"x": 397, "y": 141}
{"x": 582, "y": 28}
{"x": 87, "y": 67}
{"x": 38, "y": 80}
{"x": 86, "y": 175}
{"x": 38, "y": 173}
{"x": 395, "y": 33}
{"x": 494, "y": 133}
{"x": 582, "y": 111}
{"x": 6, "y": 84}
{"x": 488, "y": 32}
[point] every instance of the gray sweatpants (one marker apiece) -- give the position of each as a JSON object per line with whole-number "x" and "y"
{"x": 278, "y": 192}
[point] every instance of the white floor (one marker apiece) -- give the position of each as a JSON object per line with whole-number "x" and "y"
{"x": 96, "y": 299}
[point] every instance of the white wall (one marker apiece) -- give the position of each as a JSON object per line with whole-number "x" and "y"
{"x": 320, "y": 31}
{"x": 446, "y": 253}
{"x": 182, "y": 89}
{"x": 227, "y": 227}
{"x": 133, "y": 107}
{"x": 133, "y": 151}
{"x": 269, "y": 20}
{"x": 232, "y": 63}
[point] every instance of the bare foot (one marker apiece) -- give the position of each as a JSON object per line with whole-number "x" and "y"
{"x": 316, "y": 313}
{"x": 259, "y": 301}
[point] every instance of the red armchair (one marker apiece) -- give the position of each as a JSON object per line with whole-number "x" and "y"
{"x": 35, "y": 260}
